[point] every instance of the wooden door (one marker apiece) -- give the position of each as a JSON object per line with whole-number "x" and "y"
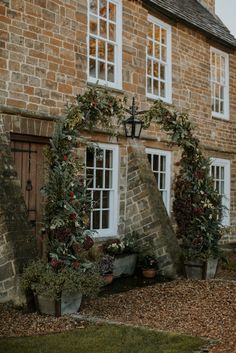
{"x": 29, "y": 162}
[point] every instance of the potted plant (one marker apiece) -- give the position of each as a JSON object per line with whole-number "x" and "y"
{"x": 149, "y": 265}
{"x": 58, "y": 289}
{"x": 106, "y": 265}
{"x": 123, "y": 251}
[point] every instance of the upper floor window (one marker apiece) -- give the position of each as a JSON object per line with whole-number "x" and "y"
{"x": 102, "y": 180}
{"x": 219, "y": 84}
{"x": 160, "y": 162}
{"x": 159, "y": 60}
{"x": 220, "y": 172}
{"x": 105, "y": 42}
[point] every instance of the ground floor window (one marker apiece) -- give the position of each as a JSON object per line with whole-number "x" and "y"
{"x": 102, "y": 180}
{"x": 160, "y": 162}
{"x": 220, "y": 171}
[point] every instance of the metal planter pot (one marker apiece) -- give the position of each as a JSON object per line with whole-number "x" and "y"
{"x": 124, "y": 265}
{"x": 197, "y": 269}
{"x": 69, "y": 304}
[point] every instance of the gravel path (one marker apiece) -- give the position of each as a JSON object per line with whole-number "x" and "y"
{"x": 13, "y": 322}
{"x": 202, "y": 308}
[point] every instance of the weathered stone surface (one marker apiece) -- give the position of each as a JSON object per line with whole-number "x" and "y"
{"x": 6, "y": 271}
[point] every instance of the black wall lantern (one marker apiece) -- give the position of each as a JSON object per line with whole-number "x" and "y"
{"x": 133, "y": 126}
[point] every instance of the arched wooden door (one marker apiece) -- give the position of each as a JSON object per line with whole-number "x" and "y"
{"x": 29, "y": 161}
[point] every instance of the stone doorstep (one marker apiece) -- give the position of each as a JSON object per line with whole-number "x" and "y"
{"x": 96, "y": 320}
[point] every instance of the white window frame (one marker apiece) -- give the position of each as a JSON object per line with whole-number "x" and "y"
{"x": 224, "y": 115}
{"x": 117, "y": 84}
{"x": 168, "y": 98}
{"x": 167, "y": 155}
{"x": 225, "y": 163}
{"x": 113, "y": 195}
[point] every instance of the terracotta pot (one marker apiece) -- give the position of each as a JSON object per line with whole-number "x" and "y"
{"x": 149, "y": 273}
{"x": 108, "y": 278}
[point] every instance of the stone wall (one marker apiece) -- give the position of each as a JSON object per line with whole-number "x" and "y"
{"x": 146, "y": 213}
{"x": 17, "y": 244}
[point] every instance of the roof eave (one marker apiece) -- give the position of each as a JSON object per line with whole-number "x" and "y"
{"x": 180, "y": 19}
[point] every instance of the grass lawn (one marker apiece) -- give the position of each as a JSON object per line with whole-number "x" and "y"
{"x": 103, "y": 339}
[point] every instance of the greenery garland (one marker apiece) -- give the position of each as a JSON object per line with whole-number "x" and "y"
{"x": 197, "y": 206}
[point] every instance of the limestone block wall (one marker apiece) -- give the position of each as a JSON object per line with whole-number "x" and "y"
{"x": 17, "y": 244}
{"x": 146, "y": 213}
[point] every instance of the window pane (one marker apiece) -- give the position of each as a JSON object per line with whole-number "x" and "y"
{"x": 222, "y": 92}
{"x": 149, "y": 67}
{"x": 108, "y": 159}
{"x": 99, "y": 179}
{"x": 96, "y": 220}
{"x": 163, "y": 53}
{"x": 112, "y": 11}
{"x": 93, "y": 6}
{"x": 222, "y": 187}
{"x": 163, "y": 36}
{"x": 105, "y": 219}
{"x": 96, "y": 199}
{"x": 93, "y": 25}
{"x": 217, "y": 91}
{"x": 149, "y": 85}
{"x": 103, "y": 8}
{"x": 110, "y": 72}
{"x": 92, "y": 67}
{"x": 218, "y": 74}
{"x": 157, "y": 51}
{"x": 99, "y": 158}
{"x": 103, "y": 28}
{"x": 162, "y": 72}
{"x": 155, "y": 87}
{"x": 222, "y": 107}
{"x": 163, "y": 89}
{"x": 101, "y": 49}
{"x": 157, "y": 33}
{"x": 108, "y": 179}
{"x": 101, "y": 70}
{"x": 222, "y": 174}
{"x": 150, "y": 48}
{"x": 155, "y": 162}
{"x": 156, "y": 69}
{"x": 112, "y": 31}
{"x": 105, "y": 199}
{"x": 110, "y": 52}
{"x": 162, "y": 181}
{"x": 92, "y": 46}
{"x": 89, "y": 177}
{"x": 163, "y": 163}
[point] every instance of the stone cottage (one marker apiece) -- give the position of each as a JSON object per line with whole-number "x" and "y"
{"x": 51, "y": 50}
